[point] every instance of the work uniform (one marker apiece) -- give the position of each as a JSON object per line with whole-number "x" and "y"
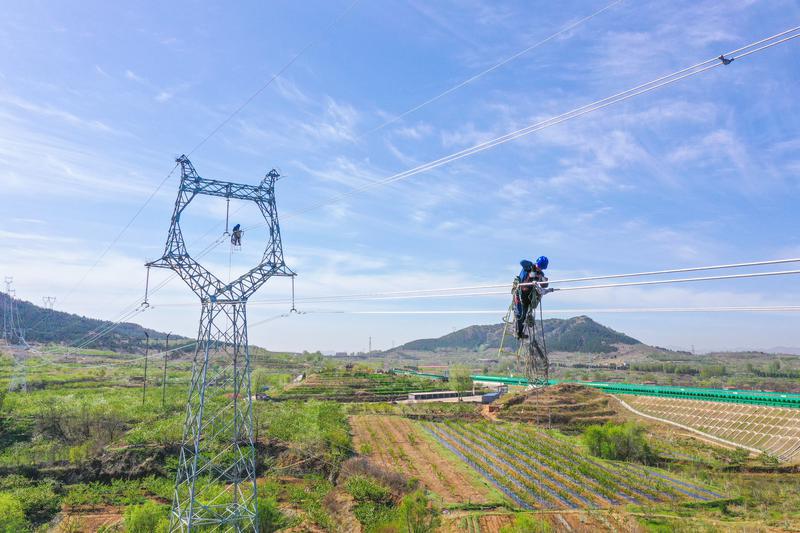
{"x": 527, "y": 297}
{"x": 236, "y": 237}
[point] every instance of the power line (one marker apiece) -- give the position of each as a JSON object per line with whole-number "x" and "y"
{"x": 274, "y": 77}
{"x": 641, "y": 89}
{"x": 120, "y": 233}
{"x": 571, "y": 280}
{"x": 494, "y": 67}
{"x": 130, "y": 311}
{"x": 681, "y": 280}
{"x": 649, "y": 86}
{"x": 749, "y": 309}
{"x": 652, "y": 85}
{"x": 165, "y": 352}
{"x": 481, "y": 290}
{"x": 205, "y": 139}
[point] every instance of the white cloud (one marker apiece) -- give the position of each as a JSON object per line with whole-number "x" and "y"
{"x": 290, "y": 91}
{"x": 416, "y": 132}
{"x": 131, "y": 75}
{"x": 53, "y": 112}
{"x": 338, "y": 123}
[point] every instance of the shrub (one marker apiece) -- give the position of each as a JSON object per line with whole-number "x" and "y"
{"x": 146, "y": 518}
{"x": 621, "y": 442}
{"x": 365, "y": 489}
{"x": 12, "y": 516}
{"x": 270, "y": 517}
{"x": 527, "y": 523}
{"x": 374, "y": 515}
{"x": 39, "y": 502}
{"x": 416, "y": 515}
{"x": 397, "y": 483}
{"x": 79, "y": 453}
{"x": 768, "y": 459}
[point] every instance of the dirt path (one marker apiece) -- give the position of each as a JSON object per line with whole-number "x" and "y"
{"x": 399, "y": 444}
{"x": 89, "y": 520}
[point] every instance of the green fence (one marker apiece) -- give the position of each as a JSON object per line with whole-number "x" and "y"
{"x": 772, "y": 399}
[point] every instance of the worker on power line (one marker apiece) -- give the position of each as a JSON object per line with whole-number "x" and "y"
{"x": 236, "y": 236}
{"x": 528, "y": 289}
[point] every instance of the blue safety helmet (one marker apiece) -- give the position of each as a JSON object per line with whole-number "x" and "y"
{"x": 542, "y": 262}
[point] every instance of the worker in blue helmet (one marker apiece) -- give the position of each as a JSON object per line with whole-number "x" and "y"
{"x": 236, "y": 236}
{"x": 528, "y": 289}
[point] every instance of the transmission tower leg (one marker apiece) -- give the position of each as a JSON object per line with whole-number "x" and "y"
{"x": 215, "y": 487}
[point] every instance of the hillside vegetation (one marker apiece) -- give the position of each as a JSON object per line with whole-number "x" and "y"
{"x": 49, "y": 326}
{"x": 578, "y": 334}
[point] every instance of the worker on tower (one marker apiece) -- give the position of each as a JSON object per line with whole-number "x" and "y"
{"x": 528, "y": 289}
{"x": 236, "y": 236}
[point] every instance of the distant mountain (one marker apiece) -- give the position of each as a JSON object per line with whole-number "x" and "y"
{"x": 577, "y": 334}
{"x": 45, "y": 326}
{"x": 787, "y": 350}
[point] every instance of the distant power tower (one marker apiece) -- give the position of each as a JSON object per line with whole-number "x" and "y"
{"x": 13, "y": 335}
{"x": 49, "y": 302}
{"x": 12, "y": 327}
{"x": 8, "y": 310}
{"x": 215, "y": 487}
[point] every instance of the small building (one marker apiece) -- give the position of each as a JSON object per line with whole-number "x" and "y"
{"x": 432, "y": 395}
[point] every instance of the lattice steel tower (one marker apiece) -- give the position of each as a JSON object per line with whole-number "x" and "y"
{"x": 12, "y": 326}
{"x": 215, "y": 487}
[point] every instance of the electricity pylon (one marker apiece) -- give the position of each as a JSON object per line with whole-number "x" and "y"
{"x": 8, "y": 311}
{"x": 215, "y": 487}
{"x": 12, "y": 325}
{"x": 49, "y": 302}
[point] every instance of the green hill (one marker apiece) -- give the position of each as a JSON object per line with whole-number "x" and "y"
{"x": 577, "y": 334}
{"x": 42, "y": 325}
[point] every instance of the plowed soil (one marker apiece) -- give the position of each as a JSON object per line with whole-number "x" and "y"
{"x": 398, "y": 444}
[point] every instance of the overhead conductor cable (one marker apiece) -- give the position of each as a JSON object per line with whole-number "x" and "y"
{"x": 657, "y": 83}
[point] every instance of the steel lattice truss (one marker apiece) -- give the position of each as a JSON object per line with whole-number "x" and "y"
{"x": 215, "y": 487}
{"x": 206, "y": 285}
{"x": 537, "y": 364}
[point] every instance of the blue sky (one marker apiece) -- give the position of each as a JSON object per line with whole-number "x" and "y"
{"x": 97, "y": 99}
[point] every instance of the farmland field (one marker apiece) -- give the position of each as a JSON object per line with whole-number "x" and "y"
{"x": 529, "y": 466}
{"x": 584, "y": 521}
{"x": 398, "y": 443}
{"x": 774, "y": 430}
{"x": 536, "y": 470}
{"x": 358, "y": 386}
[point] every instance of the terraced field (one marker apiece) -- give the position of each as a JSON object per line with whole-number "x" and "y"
{"x": 538, "y": 471}
{"x": 775, "y": 430}
{"x": 358, "y": 387}
{"x": 566, "y": 406}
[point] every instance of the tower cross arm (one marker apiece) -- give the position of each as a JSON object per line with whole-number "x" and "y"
{"x": 225, "y": 189}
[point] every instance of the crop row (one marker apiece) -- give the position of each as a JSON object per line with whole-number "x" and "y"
{"x": 637, "y": 485}
{"x": 543, "y": 471}
{"x": 507, "y": 472}
{"x": 480, "y": 466}
{"x": 650, "y": 480}
{"x": 590, "y": 481}
{"x": 556, "y": 488}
